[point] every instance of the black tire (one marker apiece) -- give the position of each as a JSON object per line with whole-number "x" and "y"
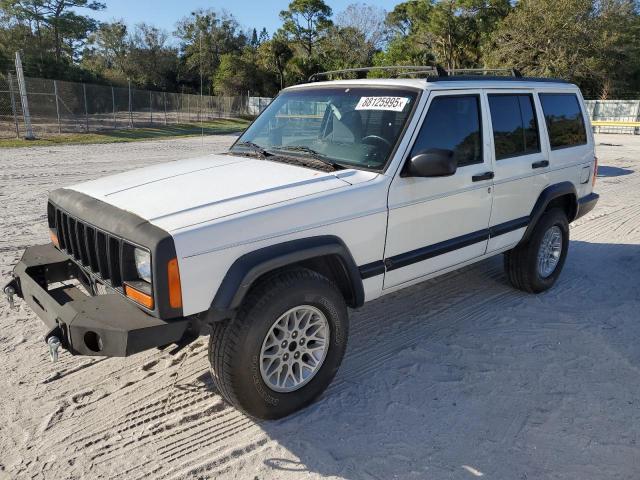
{"x": 234, "y": 345}
{"x": 521, "y": 263}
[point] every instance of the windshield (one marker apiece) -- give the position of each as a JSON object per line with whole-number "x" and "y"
{"x": 354, "y": 127}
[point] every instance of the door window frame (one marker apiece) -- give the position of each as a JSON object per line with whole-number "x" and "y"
{"x": 532, "y": 97}
{"x": 485, "y": 132}
{"x": 583, "y": 114}
{"x": 542, "y": 132}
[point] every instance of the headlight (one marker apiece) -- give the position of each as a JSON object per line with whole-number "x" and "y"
{"x": 143, "y": 264}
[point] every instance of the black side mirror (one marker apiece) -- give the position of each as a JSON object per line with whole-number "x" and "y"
{"x": 435, "y": 162}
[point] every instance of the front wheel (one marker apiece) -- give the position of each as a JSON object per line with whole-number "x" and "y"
{"x": 284, "y": 346}
{"x": 536, "y": 265}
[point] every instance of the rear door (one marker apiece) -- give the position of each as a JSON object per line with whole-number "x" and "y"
{"x": 521, "y": 162}
{"x": 435, "y": 223}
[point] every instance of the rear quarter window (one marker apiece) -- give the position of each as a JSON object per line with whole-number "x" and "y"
{"x": 564, "y": 120}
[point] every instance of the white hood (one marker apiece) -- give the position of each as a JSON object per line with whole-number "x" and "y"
{"x": 178, "y": 194}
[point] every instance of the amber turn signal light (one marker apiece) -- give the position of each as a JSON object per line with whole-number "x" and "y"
{"x": 54, "y": 238}
{"x": 175, "y": 289}
{"x": 142, "y": 298}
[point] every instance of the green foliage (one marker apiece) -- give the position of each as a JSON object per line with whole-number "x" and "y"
{"x": 595, "y": 43}
{"x": 306, "y": 21}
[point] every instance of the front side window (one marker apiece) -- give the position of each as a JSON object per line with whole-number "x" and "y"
{"x": 453, "y": 123}
{"x": 515, "y": 130}
{"x": 564, "y": 119}
{"x": 349, "y": 126}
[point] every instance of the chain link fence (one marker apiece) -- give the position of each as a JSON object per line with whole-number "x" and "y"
{"x": 58, "y": 106}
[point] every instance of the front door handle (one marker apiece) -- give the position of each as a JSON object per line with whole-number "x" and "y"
{"x": 483, "y": 176}
{"x": 540, "y": 164}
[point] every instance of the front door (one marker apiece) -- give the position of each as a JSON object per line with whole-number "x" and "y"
{"x": 435, "y": 223}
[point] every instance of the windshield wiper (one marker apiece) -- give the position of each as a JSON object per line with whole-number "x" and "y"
{"x": 314, "y": 154}
{"x": 256, "y": 148}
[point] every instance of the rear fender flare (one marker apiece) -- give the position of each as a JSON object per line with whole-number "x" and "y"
{"x": 549, "y": 194}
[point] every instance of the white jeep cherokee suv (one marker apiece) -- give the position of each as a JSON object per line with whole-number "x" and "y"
{"x": 340, "y": 192}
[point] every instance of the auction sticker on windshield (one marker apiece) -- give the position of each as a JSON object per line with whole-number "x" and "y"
{"x": 395, "y": 104}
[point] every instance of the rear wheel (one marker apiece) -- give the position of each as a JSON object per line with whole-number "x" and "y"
{"x": 284, "y": 346}
{"x": 535, "y": 266}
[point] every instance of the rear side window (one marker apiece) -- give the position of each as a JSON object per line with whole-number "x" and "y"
{"x": 564, "y": 119}
{"x": 515, "y": 129}
{"x": 453, "y": 123}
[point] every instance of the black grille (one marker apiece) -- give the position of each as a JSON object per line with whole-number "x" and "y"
{"x": 97, "y": 251}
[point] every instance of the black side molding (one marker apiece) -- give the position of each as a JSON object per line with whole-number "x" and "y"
{"x": 425, "y": 253}
{"x": 249, "y": 267}
{"x": 546, "y": 197}
{"x": 372, "y": 269}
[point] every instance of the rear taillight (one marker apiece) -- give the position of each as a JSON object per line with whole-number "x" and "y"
{"x": 595, "y": 171}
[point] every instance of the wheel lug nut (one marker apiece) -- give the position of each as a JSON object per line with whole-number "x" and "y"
{"x": 285, "y": 356}
{"x": 301, "y": 341}
{"x": 296, "y": 355}
{"x": 294, "y": 334}
{"x": 284, "y": 344}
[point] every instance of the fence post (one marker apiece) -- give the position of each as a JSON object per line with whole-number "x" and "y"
{"x": 86, "y": 110}
{"x": 55, "y": 91}
{"x": 164, "y": 102}
{"x": 13, "y": 104}
{"x": 151, "y": 107}
{"x": 188, "y": 109}
{"x": 113, "y": 105}
{"x": 24, "y": 101}
{"x": 130, "y": 112}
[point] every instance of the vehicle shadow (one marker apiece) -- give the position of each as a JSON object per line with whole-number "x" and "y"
{"x": 462, "y": 376}
{"x": 605, "y": 171}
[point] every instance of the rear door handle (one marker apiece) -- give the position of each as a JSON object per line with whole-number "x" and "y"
{"x": 483, "y": 176}
{"x": 540, "y": 164}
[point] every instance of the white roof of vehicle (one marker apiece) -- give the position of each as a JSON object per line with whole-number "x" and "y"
{"x": 448, "y": 84}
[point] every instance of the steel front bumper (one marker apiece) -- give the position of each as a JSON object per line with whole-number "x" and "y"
{"x": 106, "y": 325}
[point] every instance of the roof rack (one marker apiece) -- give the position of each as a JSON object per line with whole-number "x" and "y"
{"x": 403, "y": 70}
{"x": 436, "y": 73}
{"x": 514, "y": 72}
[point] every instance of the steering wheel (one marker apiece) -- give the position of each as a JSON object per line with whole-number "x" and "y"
{"x": 378, "y": 139}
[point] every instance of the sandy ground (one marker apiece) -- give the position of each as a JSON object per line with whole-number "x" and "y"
{"x": 457, "y": 378}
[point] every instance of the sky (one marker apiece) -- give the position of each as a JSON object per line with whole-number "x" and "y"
{"x": 249, "y": 13}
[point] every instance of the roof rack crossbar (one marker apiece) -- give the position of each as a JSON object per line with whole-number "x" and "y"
{"x": 402, "y": 70}
{"x": 483, "y": 71}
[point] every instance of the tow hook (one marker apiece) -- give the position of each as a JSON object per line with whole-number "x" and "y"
{"x": 54, "y": 343}
{"x": 9, "y": 292}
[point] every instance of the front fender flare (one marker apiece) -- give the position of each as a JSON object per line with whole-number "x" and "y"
{"x": 249, "y": 267}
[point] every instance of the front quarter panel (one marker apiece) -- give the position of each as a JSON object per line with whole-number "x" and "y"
{"x": 357, "y": 215}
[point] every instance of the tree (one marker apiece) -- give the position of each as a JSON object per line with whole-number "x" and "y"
{"x": 452, "y": 33}
{"x": 346, "y": 47}
{"x": 49, "y": 32}
{"x": 107, "y": 48}
{"x": 205, "y": 36}
{"x": 276, "y": 54}
{"x": 305, "y": 21}
{"x": 409, "y": 43}
{"x": 152, "y": 63}
{"x": 366, "y": 19}
{"x": 596, "y": 44}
